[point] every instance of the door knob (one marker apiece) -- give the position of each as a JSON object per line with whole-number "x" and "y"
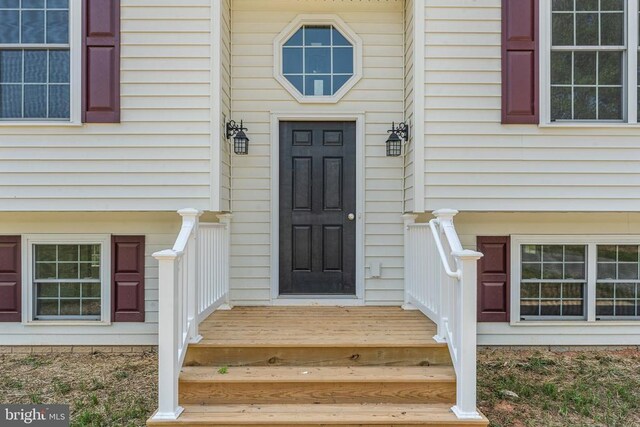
{"x": 351, "y": 217}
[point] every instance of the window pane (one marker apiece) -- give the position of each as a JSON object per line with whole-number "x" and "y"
{"x": 552, "y": 253}
{"x": 625, "y": 308}
{"x": 628, "y": 253}
{"x": 562, "y": 5}
{"x": 584, "y": 103}
{"x": 343, "y": 60}
{"x": 561, "y": 103}
{"x": 610, "y": 103}
{"x": 610, "y": 68}
{"x": 35, "y": 66}
{"x": 59, "y": 103}
{"x": 561, "y": 68}
{"x": 35, "y": 101}
{"x": 339, "y": 81}
{"x": 58, "y": 4}
{"x": 339, "y": 39}
{"x": 91, "y": 307}
{"x": 317, "y": 35}
{"x": 70, "y": 307}
{"x": 625, "y": 290}
{"x": 57, "y": 26}
{"x": 292, "y": 61}
{"x": 91, "y": 290}
{"x": 587, "y": 29}
{"x": 605, "y": 290}
{"x": 47, "y": 290}
{"x": 607, "y": 253}
{"x": 33, "y": 4}
{"x": 562, "y": 31}
{"x": 550, "y": 290}
{"x": 10, "y": 100}
{"x": 89, "y": 271}
{"x": 604, "y": 308}
{"x": 68, "y": 271}
{"x": 575, "y": 253}
{"x": 612, "y": 4}
{"x": 9, "y": 4}
{"x": 574, "y": 271}
{"x": 297, "y": 81}
{"x": 552, "y": 271}
{"x": 531, "y": 271}
{"x": 317, "y": 61}
{"x": 606, "y": 271}
{"x": 529, "y": 308}
{"x": 531, "y": 253}
{"x": 68, "y": 253}
{"x": 47, "y": 307}
{"x": 59, "y": 66}
{"x": 612, "y": 31}
{"x": 33, "y": 26}
{"x": 530, "y": 290}
{"x": 70, "y": 290}
{"x": 572, "y": 290}
{"x": 46, "y": 271}
{"x": 585, "y": 68}
{"x": 10, "y": 66}
{"x": 10, "y": 28}
{"x": 550, "y": 308}
{"x": 296, "y": 39}
{"x": 572, "y": 307}
{"x": 628, "y": 271}
{"x": 318, "y": 85}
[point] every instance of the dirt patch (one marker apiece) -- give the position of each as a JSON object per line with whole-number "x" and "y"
{"x": 102, "y": 389}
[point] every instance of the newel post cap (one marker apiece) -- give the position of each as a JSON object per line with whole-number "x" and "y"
{"x": 467, "y": 254}
{"x": 445, "y": 214}
{"x": 409, "y": 218}
{"x": 190, "y": 212}
{"x": 167, "y": 254}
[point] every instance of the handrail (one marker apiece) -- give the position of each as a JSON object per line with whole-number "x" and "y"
{"x": 446, "y": 295}
{"x": 433, "y": 225}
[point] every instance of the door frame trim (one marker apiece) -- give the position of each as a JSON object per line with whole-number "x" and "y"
{"x": 276, "y": 118}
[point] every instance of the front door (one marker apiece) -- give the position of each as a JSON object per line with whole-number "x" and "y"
{"x": 317, "y": 208}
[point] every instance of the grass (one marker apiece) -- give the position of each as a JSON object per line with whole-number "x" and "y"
{"x": 554, "y": 389}
{"x": 560, "y": 389}
{"x": 104, "y": 390}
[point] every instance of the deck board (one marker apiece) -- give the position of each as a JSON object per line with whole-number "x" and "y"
{"x": 317, "y": 326}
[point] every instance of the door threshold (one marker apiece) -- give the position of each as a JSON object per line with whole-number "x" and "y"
{"x": 320, "y": 300}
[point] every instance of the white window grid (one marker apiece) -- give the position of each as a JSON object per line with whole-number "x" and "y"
{"x": 561, "y": 299}
{"x": 615, "y": 284}
{"x": 36, "y": 46}
{"x": 304, "y": 46}
{"x": 59, "y": 281}
{"x": 592, "y": 48}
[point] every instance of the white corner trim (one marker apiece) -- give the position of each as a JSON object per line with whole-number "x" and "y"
{"x": 418, "y": 131}
{"x": 318, "y": 19}
{"x": 216, "y": 105}
{"x": 27, "y": 242}
{"x": 276, "y": 118}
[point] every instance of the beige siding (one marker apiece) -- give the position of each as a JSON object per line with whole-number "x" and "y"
{"x": 409, "y": 178}
{"x": 473, "y": 162}
{"x": 158, "y": 157}
{"x": 160, "y": 231}
{"x": 225, "y": 94}
{"x": 379, "y": 95}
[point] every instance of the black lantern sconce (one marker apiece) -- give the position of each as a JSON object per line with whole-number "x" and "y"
{"x": 240, "y": 139}
{"x": 396, "y": 135}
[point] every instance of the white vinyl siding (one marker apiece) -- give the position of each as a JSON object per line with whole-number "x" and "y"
{"x": 409, "y": 152}
{"x": 158, "y": 158}
{"x": 473, "y": 162}
{"x": 160, "y": 231}
{"x": 256, "y": 94}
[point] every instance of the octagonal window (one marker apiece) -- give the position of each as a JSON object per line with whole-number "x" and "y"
{"x": 318, "y": 60}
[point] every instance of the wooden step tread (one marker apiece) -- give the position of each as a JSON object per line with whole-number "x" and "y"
{"x": 342, "y": 374}
{"x": 315, "y": 415}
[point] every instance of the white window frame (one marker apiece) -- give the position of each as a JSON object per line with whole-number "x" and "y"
{"x": 591, "y": 241}
{"x": 28, "y": 243}
{"x": 317, "y": 19}
{"x": 629, "y": 78}
{"x": 75, "y": 77}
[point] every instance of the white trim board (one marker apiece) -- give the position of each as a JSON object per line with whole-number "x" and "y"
{"x": 359, "y": 119}
{"x": 216, "y": 105}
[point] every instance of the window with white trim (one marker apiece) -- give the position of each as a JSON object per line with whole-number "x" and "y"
{"x": 68, "y": 278}
{"x": 576, "y": 278}
{"x": 591, "y": 61}
{"x": 35, "y": 60}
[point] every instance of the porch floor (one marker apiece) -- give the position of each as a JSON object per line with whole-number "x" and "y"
{"x": 317, "y": 326}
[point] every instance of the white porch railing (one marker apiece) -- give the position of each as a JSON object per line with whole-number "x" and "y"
{"x": 193, "y": 283}
{"x": 441, "y": 281}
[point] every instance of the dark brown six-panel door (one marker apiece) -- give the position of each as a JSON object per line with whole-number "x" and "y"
{"x": 317, "y": 208}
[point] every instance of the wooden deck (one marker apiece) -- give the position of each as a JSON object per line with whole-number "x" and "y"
{"x": 317, "y": 326}
{"x": 313, "y": 366}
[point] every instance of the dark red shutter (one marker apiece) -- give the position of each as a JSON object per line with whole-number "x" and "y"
{"x": 520, "y": 82}
{"x": 493, "y": 279}
{"x": 101, "y": 61}
{"x": 10, "y": 279}
{"x": 127, "y": 277}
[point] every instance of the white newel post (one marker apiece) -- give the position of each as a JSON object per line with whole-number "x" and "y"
{"x": 168, "y": 408}
{"x": 190, "y": 218}
{"x": 466, "y": 386}
{"x": 445, "y": 222}
{"x": 409, "y": 259}
{"x": 226, "y": 220}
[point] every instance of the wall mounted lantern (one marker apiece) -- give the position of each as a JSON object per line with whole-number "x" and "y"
{"x": 396, "y": 135}
{"x": 240, "y": 139}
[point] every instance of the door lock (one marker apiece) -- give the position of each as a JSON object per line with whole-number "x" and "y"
{"x": 351, "y": 217}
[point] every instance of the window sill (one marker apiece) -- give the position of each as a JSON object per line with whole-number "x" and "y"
{"x": 4, "y": 124}
{"x": 66, "y": 323}
{"x": 589, "y": 125}
{"x": 577, "y": 323}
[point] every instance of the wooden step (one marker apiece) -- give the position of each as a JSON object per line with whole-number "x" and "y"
{"x": 334, "y": 354}
{"x": 319, "y": 385}
{"x": 433, "y": 415}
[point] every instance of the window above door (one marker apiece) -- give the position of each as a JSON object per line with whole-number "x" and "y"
{"x": 318, "y": 58}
